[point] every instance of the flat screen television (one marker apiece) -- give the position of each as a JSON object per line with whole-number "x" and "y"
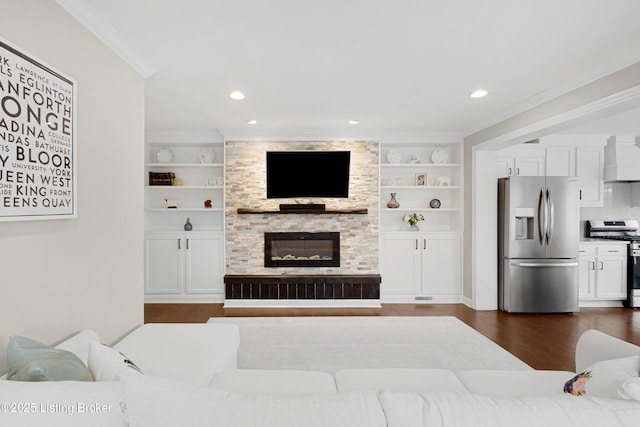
{"x": 311, "y": 173}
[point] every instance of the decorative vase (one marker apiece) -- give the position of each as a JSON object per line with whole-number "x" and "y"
{"x": 393, "y": 203}
{"x": 188, "y": 226}
{"x": 414, "y": 227}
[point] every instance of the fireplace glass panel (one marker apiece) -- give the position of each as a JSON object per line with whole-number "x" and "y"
{"x": 302, "y": 249}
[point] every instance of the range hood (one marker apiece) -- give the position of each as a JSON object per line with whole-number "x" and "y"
{"x": 622, "y": 159}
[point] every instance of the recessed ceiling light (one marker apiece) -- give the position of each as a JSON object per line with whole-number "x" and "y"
{"x": 237, "y": 95}
{"x": 479, "y": 93}
{"x": 252, "y": 122}
{"x": 354, "y": 122}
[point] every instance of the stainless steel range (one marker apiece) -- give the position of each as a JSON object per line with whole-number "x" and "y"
{"x": 628, "y": 231}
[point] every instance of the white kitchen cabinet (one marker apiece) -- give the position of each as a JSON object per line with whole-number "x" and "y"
{"x": 603, "y": 271}
{"x": 560, "y": 161}
{"x": 421, "y": 266}
{"x": 521, "y": 166}
{"x": 590, "y": 171}
{"x": 581, "y": 156}
{"x": 182, "y": 266}
{"x": 522, "y": 160}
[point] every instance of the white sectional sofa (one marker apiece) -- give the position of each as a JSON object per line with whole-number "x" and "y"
{"x": 190, "y": 378}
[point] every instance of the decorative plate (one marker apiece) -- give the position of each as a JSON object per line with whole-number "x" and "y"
{"x": 394, "y": 156}
{"x": 435, "y": 203}
{"x": 439, "y": 156}
{"x": 164, "y": 155}
{"x": 207, "y": 156}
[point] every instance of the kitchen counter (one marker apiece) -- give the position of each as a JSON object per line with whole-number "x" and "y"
{"x": 595, "y": 241}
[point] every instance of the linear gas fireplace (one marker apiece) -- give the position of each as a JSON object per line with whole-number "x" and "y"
{"x": 302, "y": 249}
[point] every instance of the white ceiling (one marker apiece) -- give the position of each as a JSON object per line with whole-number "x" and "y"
{"x": 402, "y": 65}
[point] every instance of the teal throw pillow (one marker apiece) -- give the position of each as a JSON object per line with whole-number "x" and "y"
{"x": 30, "y": 360}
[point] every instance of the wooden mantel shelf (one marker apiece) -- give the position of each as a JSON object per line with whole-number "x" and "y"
{"x": 249, "y": 211}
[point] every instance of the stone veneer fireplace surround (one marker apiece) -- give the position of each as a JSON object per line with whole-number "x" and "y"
{"x": 249, "y": 215}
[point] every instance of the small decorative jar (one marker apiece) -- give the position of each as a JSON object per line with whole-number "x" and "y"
{"x": 393, "y": 203}
{"x": 188, "y": 226}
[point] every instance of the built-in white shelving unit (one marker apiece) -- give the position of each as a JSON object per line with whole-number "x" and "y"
{"x": 195, "y": 182}
{"x": 184, "y": 265}
{"x": 424, "y": 265}
{"x": 421, "y": 175}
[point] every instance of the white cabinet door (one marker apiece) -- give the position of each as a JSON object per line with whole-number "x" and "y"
{"x": 590, "y": 171}
{"x": 204, "y": 270}
{"x": 164, "y": 264}
{"x": 611, "y": 278}
{"x": 441, "y": 258}
{"x": 612, "y": 273}
{"x": 505, "y": 166}
{"x": 400, "y": 264}
{"x": 586, "y": 272}
{"x": 560, "y": 161}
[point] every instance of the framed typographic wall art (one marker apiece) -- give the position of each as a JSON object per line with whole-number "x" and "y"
{"x": 37, "y": 139}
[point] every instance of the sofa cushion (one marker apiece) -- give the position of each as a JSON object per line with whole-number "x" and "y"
{"x": 62, "y": 404}
{"x": 108, "y": 364}
{"x": 30, "y": 360}
{"x": 606, "y": 378}
{"x": 192, "y": 352}
{"x": 159, "y": 402}
{"x": 398, "y": 379}
{"x": 466, "y": 409}
{"x": 514, "y": 383}
{"x": 257, "y": 381}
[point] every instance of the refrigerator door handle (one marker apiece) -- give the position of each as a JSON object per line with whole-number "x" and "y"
{"x": 551, "y": 216}
{"x": 545, "y": 264}
{"x": 541, "y": 225}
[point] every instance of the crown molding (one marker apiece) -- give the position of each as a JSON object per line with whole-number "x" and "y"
{"x": 108, "y": 35}
{"x": 184, "y": 136}
{"x": 384, "y": 136}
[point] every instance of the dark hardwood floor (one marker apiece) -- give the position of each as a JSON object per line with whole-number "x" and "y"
{"x": 543, "y": 341}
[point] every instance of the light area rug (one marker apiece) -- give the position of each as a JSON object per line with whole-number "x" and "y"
{"x": 329, "y": 344}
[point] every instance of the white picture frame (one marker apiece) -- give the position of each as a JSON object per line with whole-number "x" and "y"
{"x": 420, "y": 180}
{"x": 38, "y": 157}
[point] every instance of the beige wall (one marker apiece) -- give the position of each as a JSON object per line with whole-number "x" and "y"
{"x": 61, "y": 276}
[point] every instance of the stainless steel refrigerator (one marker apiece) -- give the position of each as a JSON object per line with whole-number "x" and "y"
{"x": 538, "y": 233}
